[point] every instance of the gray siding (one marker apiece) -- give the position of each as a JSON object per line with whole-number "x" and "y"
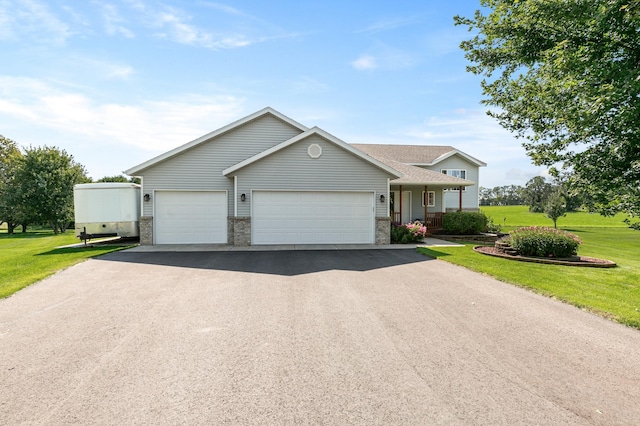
{"x": 293, "y": 169}
{"x": 470, "y": 196}
{"x": 200, "y": 168}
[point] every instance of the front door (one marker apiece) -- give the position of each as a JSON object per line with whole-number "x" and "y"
{"x": 406, "y": 206}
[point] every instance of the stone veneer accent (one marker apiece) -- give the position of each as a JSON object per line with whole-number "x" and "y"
{"x": 230, "y": 230}
{"x": 146, "y": 230}
{"x": 383, "y": 230}
{"x": 241, "y": 231}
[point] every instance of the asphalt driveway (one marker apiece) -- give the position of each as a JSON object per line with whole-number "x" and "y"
{"x": 305, "y": 337}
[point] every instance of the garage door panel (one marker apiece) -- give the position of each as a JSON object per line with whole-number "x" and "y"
{"x": 312, "y": 217}
{"x": 186, "y": 217}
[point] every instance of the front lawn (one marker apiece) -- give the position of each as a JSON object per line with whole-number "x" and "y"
{"x": 612, "y": 292}
{"x": 27, "y": 258}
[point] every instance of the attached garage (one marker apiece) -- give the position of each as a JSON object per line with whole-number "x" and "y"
{"x": 188, "y": 217}
{"x": 312, "y": 217}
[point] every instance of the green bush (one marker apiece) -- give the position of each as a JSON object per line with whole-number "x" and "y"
{"x": 544, "y": 242}
{"x": 464, "y": 223}
{"x": 492, "y": 227}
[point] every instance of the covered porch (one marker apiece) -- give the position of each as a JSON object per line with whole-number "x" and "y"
{"x": 424, "y": 203}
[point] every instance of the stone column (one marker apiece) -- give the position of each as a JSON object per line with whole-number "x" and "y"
{"x": 242, "y": 231}
{"x": 146, "y": 230}
{"x": 383, "y": 230}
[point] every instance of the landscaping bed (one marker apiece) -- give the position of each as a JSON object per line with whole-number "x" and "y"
{"x": 584, "y": 261}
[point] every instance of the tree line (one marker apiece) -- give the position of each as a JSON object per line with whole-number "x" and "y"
{"x": 36, "y": 186}
{"x": 553, "y": 198}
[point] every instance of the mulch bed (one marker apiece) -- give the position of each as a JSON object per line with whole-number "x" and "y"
{"x": 584, "y": 261}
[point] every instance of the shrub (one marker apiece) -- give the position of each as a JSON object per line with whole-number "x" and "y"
{"x": 492, "y": 227}
{"x": 409, "y": 233}
{"x": 544, "y": 242}
{"x": 464, "y": 223}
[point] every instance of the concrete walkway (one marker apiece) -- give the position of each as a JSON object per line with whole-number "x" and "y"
{"x": 428, "y": 242}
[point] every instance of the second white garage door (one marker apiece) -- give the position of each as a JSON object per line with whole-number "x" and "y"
{"x": 312, "y": 217}
{"x": 190, "y": 217}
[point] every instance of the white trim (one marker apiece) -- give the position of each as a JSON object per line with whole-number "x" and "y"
{"x": 215, "y": 133}
{"x": 434, "y": 198}
{"x": 142, "y": 198}
{"x": 235, "y": 196}
{"x": 313, "y": 131}
{"x": 456, "y": 186}
{"x": 449, "y": 154}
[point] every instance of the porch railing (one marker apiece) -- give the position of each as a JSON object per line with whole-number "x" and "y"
{"x": 434, "y": 220}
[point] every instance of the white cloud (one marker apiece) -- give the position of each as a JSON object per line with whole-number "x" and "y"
{"x": 22, "y": 18}
{"x": 365, "y": 62}
{"x": 114, "y": 22}
{"x": 385, "y": 57}
{"x": 151, "y": 125}
{"x": 477, "y": 134}
{"x": 175, "y": 25}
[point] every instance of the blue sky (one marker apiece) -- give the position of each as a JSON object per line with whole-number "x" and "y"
{"x": 115, "y": 83}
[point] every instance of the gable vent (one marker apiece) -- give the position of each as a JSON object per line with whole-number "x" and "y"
{"x": 314, "y": 150}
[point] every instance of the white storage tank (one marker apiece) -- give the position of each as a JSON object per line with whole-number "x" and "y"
{"x": 106, "y": 209}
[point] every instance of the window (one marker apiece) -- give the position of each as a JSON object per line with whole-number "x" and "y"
{"x": 459, "y": 173}
{"x": 432, "y": 199}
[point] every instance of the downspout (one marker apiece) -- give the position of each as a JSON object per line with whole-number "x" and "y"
{"x": 460, "y": 191}
{"x": 388, "y": 199}
{"x": 426, "y": 201}
{"x": 400, "y": 204}
{"x": 235, "y": 196}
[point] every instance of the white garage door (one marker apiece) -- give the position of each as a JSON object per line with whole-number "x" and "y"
{"x": 312, "y": 218}
{"x": 190, "y": 217}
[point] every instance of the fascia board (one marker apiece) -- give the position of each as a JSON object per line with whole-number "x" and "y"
{"x": 456, "y": 152}
{"x": 439, "y": 183}
{"x": 215, "y": 133}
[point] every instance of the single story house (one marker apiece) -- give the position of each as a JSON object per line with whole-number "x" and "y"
{"x": 267, "y": 179}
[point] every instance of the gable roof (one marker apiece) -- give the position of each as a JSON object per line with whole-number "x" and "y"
{"x": 418, "y": 155}
{"x": 418, "y": 176}
{"x": 325, "y": 135}
{"x": 215, "y": 133}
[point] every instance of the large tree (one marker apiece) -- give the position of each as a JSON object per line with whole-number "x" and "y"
{"x": 565, "y": 76}
{"x": 46, "y": 179}
{"x": 10, "y": 209}
{"x": 536, "y": 193}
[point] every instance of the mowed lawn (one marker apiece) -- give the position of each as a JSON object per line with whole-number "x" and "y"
{"x": 30, "y": 257}
{"x": 613, "y": 292}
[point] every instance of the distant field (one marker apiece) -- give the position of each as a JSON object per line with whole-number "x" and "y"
{"x": 516, "y": 216}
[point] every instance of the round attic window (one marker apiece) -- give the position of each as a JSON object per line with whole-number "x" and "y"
{"x": 314, "y": 150}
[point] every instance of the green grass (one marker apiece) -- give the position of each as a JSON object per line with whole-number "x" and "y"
{"x": 613, "y": 293}
{"x": 27, "y": 258}
{"x": 510, "y": 217}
